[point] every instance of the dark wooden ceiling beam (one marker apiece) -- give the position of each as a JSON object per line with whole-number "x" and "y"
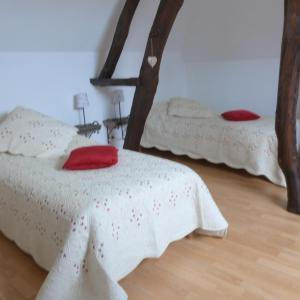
{"x": 149, "y": 76}
{"x": 147, "y": 82}
{"x": 288, "y": 91}
{"x": 120, "y": 37}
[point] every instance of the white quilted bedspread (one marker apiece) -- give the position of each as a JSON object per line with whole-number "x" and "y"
{"x": 243, "y": 145}
{"x": 90, "y": 229}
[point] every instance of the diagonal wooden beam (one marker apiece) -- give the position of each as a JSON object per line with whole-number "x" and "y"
{"x": 288, "y": 91}
{"x": 149, "y": 77}
{"x": 120, "y": 37}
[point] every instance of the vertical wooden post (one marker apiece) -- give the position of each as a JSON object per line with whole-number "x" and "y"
{"x": 288, "y": 155}
{"x": 149, "y": 77}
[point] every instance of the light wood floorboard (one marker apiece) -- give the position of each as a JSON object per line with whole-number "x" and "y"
{"x": 260, "y": 258}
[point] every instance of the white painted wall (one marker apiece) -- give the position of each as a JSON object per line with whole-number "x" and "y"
{"x": 236, "y": 84}
{"x": 224, "y": 53}
{"x": 47, "y": 82}
{"x": 232, "y": 60}
{"x": 50, "y": 49}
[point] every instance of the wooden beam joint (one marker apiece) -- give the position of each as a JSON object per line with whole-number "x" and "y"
{"x": 115, "y": 82}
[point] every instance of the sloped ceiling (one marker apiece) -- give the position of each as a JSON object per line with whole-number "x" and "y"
{"x": 205, "y": 29}
{"x": 232, "y": 29}
{"x": 54, "y": 25}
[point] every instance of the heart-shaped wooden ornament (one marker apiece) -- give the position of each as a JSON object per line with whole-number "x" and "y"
{"x": 152, "y": 61}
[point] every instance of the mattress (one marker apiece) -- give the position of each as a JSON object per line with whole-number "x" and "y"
{"x": 89, "y": 229}
{"x": 248, "y": 145}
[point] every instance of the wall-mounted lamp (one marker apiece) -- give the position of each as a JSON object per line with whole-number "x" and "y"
{"x": 80, "y": 102}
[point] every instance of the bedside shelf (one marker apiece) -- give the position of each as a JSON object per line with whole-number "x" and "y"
{"x": 115, "y": 123}
{"x": 89, "y": 129}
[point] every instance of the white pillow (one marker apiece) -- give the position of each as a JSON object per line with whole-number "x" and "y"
{"x": 29, "y": 133}
{"x": 187, "y": 108}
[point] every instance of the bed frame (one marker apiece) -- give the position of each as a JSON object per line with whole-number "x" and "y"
{"x": 147, "y": 82}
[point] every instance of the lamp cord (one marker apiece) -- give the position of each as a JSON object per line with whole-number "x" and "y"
{"x": 83, "y": 116}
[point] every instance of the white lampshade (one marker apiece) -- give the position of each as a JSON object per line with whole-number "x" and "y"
{"x": 117, "y": 97}
{"x": 81, "y": 101}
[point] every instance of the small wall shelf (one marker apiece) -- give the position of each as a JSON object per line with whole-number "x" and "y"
{"x": 89, "y": 129}
{"x": 115, "y": 123}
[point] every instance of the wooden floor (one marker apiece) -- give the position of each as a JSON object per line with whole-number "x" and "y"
{"x": 260, "y": 258}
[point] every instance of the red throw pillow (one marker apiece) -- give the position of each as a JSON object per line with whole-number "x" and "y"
{"x": 240, "y": 115}
{"x": 93, "y": 157}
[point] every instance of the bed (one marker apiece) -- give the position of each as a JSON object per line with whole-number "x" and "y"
{"x": 90, "y": 229}
{"x": 248, "y": 145}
